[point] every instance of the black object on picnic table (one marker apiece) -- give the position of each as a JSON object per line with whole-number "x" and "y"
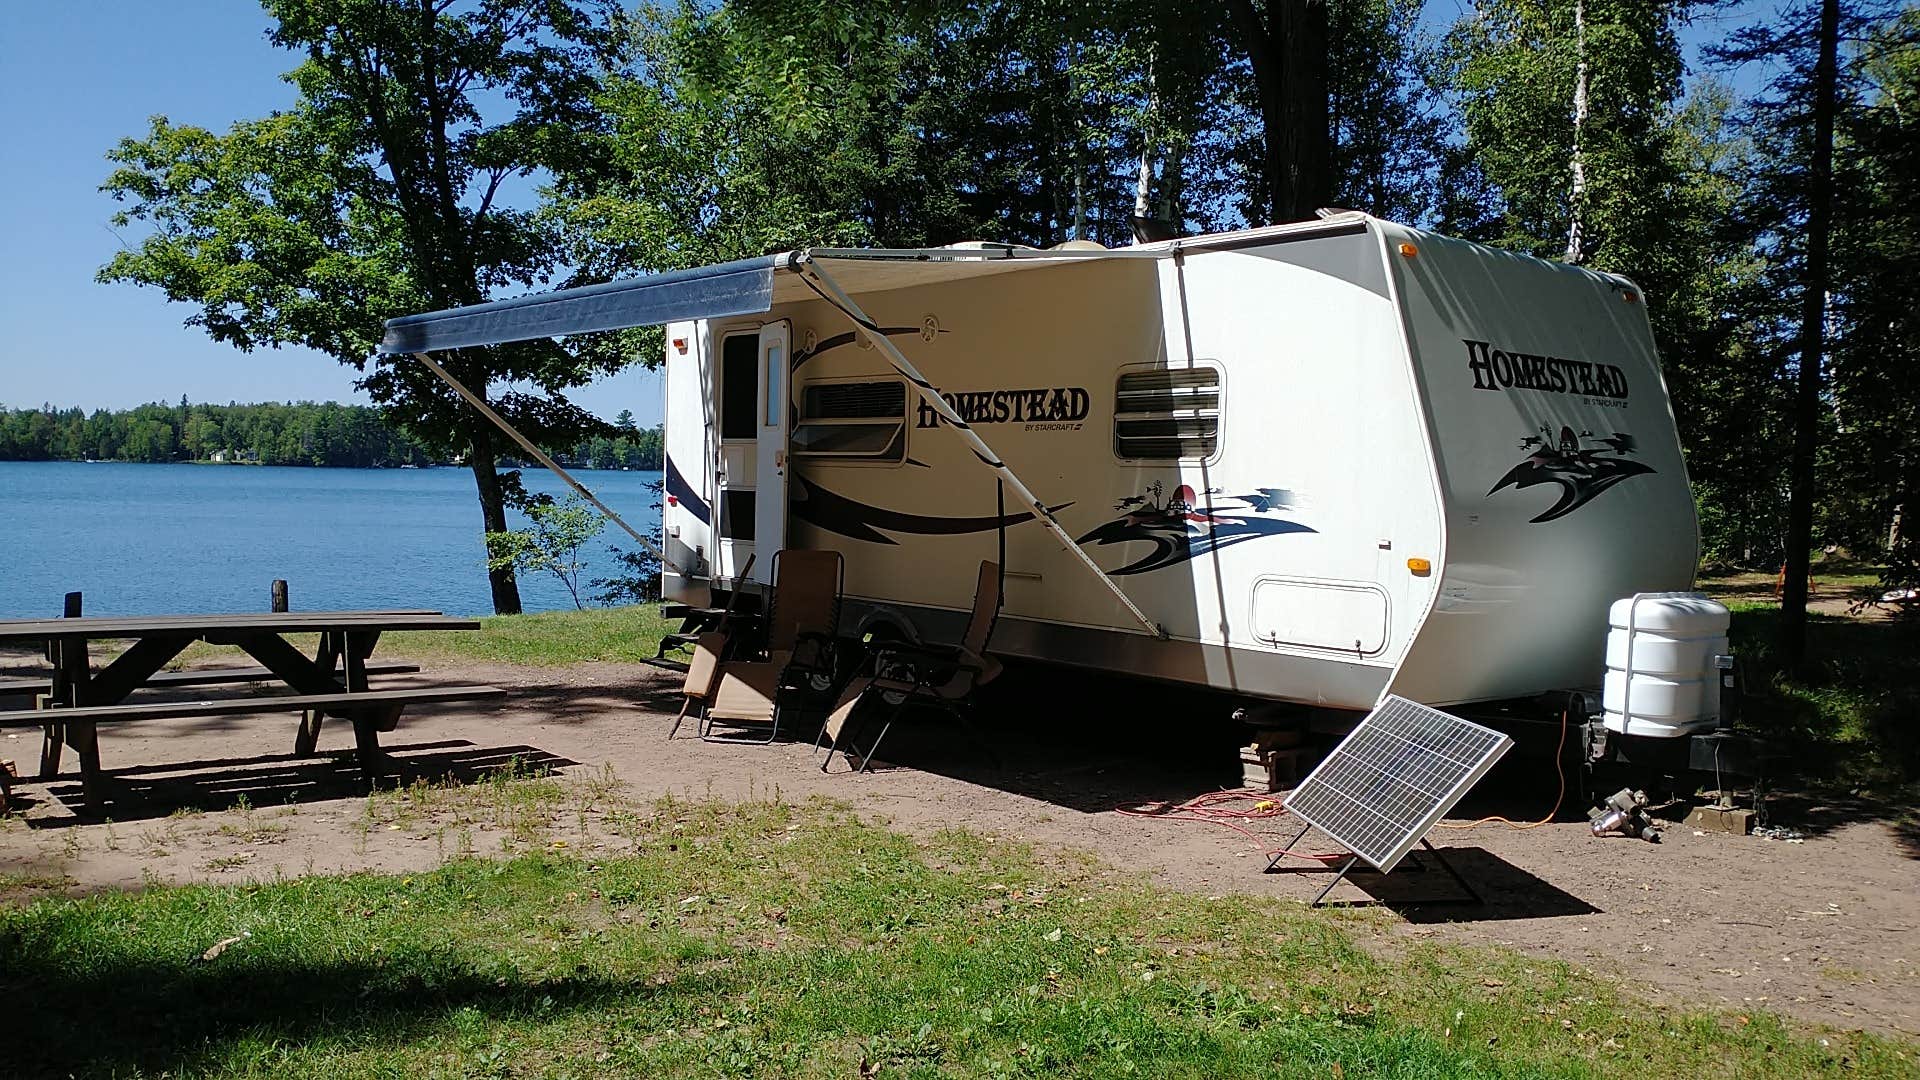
{"x": 332, "y": 682}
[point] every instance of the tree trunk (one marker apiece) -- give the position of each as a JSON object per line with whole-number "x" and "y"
{"x": 1813, "y": 309}
{"x": 1577, "y": 198}
{"x": 493, "y": 513}
{"x": 1288, "y": 52}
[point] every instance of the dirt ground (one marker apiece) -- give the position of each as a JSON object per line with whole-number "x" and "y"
{"x": 1823, "y": 929}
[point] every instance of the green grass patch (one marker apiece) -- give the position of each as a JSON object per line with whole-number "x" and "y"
{"x": 1852, "y": 713}
{"x": 769, "y": 940}
{"x": 546, "y": 639}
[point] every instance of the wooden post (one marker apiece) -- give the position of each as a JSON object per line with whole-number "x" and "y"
{"x": 53, "y": 732}
{"x": 70, "y": 610}
{"x": 280, "y": 595}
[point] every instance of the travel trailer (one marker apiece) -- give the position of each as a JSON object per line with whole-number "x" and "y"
{"x": 1309, "y": 463}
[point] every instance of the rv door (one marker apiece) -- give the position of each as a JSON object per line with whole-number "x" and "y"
{"x": 770, "y": 501}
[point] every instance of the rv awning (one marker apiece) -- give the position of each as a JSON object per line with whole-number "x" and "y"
{"x": 752, "y": 286}
{"x": 746, "y": 287}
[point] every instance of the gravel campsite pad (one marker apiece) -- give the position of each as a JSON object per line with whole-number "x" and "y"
{"x": 1819, "y": 926}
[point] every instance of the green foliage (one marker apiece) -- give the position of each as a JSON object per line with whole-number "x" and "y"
{"x": 1846, "y": 715}
{"x": 638, "y": 580}
{"x": 376, "y": 194}
{"x": 553, "y": 542}
{"x": 305, "y": 433}
{"x": 1871, "y": 471}
{"x": 749, "y": 127}
{"x": 768, "y": 940}
{"x": 302, "y": 433}
{"x": 1514, "y": 64}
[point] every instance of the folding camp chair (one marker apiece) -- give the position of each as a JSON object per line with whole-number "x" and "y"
{"x": 703, "y": 677}
{"x": 801, "y": 623}
{"x": 943, "y": 676}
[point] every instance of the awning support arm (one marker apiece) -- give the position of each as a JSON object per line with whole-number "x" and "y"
{"x": 833, "y": 294}
{"x": 539, "y": 455}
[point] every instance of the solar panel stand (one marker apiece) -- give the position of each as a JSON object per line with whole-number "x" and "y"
{"x": 1382, "y": 790}
{"x": 1473, "y": 895}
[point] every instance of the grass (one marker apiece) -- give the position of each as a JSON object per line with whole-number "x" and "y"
{"x": 546, "y": 639}
{"x": 1851, "y": 714}
{"x": 765, "y": 939}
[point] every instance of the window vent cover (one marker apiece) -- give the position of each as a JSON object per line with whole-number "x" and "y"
{"x": 1167, "y": 414}
{"x": 842, "y": 401}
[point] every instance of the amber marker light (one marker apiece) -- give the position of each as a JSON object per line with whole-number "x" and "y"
{"x": 680, "y": 345}
{"x": 1409, "y": 250}
{"x": 1420, "y": 567}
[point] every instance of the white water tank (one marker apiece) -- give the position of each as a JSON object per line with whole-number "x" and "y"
{"x": 1663, "y": 657}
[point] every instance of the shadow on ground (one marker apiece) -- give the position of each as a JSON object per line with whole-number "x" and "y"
{"x": 210, "y": 784}
{"x": 174, "y": 1018}
{"x": 1421, "y": 891}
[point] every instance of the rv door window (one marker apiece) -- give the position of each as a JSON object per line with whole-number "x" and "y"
{"x": 1167, "y": 414}
{"x": 863, "y": 421}
{"x": 739, "y": 386}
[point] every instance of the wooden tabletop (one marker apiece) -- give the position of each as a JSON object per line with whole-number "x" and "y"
{"x": 113, "y": 626}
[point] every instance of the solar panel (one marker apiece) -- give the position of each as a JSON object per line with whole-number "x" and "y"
{"x": 1392, "y": 779}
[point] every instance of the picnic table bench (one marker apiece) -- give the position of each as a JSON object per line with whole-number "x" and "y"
{"x": 42, "y": 684}
{"x": 332, "y": 682}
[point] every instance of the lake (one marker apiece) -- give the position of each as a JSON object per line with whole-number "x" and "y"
{"x": 162, "y": 539}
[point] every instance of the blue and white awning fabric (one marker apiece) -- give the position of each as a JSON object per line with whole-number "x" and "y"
{"x": 705, "y": 292}
{"x": 746, "y": 287}
{"x": 753, "y": 286}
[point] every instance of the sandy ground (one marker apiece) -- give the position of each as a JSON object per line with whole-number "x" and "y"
{"x": 1823, "y": 930}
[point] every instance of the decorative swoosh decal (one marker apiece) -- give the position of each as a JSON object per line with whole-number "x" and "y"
{"x": 1182, "y": 528}
{"x": 1582, "y": 472}
{"x": 856, "y": 520}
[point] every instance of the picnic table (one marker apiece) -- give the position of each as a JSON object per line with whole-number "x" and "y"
{"x": 332, "y": 682}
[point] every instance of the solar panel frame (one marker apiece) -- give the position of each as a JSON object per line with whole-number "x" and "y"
{"x": 1394, "y": 777}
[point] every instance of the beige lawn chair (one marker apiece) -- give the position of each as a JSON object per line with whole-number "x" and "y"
{"x": 943, "y": 676}
{"x": 744, "y": 696}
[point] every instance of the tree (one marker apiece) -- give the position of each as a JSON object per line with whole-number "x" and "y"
{"x": 1517, "y": 67}
{"x": 552, "y": 545}
{"x": 376, "y": 194}
{"x": 1286, "y": 41}
{"x": 1793, "y": 199}
{"x": 1873, "y": 469}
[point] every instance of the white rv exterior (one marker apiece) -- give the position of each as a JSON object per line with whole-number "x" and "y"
{"x": 1329, "y": 460}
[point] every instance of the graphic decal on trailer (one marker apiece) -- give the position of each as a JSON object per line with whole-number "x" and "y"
{"x": 856, "y": 520}
{"x": 1582, "y": 472}
{"x": 1181, "y": 529}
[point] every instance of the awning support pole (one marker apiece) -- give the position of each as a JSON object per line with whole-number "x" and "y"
{"x": 872, "y": 332}
{"x": 539, "y": 455}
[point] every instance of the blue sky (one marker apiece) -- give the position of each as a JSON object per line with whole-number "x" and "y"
{"x": 78, "y": 75}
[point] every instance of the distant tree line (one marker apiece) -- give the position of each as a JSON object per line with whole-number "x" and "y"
{"x": 323, "y": 434}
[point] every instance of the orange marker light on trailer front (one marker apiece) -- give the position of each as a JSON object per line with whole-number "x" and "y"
{"x": 1420, "y": 567}
{"x": 680, "y": 345}
{"x": 1408, "y": 250}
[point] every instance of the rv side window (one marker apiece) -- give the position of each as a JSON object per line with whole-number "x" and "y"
{"x": 1167, "y": 414}
{"x": 855, "y": 421}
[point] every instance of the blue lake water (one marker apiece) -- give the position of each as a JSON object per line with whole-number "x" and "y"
{"x": 162, "y": 539}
